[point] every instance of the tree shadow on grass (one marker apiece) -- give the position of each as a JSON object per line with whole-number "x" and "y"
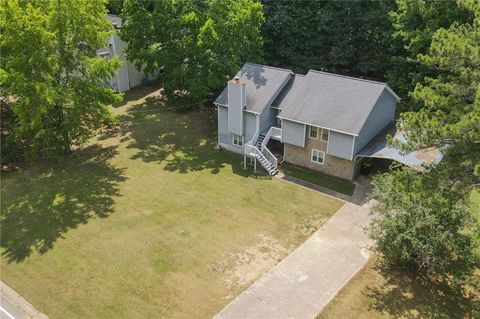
{"x": 40, "y": 205}
{"x": 183, "y": 142}
{"x": 138, "y": 93}
{"x": 406, "y": 295}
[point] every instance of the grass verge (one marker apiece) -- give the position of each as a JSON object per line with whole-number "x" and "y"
{"x": 334, "y": 183}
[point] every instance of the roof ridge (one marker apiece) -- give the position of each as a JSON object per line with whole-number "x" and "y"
{"x": 270, "y": 67}
{"x": 348, "y": 77}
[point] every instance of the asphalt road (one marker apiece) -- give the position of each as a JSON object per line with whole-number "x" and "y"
{"x": 9, "y": 311}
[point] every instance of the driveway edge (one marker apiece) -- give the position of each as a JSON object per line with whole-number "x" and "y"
{"x": 21, "y": 303}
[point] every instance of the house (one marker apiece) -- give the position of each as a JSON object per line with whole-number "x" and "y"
{"x": 128, "y": 75}
{"x": 322, "y": 121}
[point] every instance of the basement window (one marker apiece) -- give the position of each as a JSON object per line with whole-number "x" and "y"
{"x": 318, "y": 156}
{"x": 237, "y": 140}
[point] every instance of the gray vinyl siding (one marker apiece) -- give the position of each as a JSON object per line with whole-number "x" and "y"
{"x": 382, "y": 114}
{"x": 293, "y": 133}
{"x": 250, "y": 125}
{"x": 340, "y": 145}
{"x": 225, "y": 137}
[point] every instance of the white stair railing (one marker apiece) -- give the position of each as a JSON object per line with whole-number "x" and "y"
{"x": 269, "y": 156}
{"x": 263, "y": 153}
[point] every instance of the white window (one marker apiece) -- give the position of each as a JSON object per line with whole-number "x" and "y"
{"x": 237, "y": 140}
{"x": 313, "y": 132}
{"x": 318, "y": 156}
{"x": 325, "y": 134}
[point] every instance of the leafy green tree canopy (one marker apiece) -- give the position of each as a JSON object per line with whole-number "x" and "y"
{"x": 196, "y": 45}
{"x": 414, "y": 23}
{"x": 349, "y": 37}
{"x": 420, "y": 222}
{"x": 424, "y": 219}
{"x": 450, "y": 113}
{"x": 49, "y": 73}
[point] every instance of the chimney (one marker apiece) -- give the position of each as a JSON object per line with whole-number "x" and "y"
{"x": 236, "y": 105}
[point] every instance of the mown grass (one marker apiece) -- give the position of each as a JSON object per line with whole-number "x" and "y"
{"x": 337, "y": 184}
{"x": 146, "y": 222}
{"x": 382, "y": 292}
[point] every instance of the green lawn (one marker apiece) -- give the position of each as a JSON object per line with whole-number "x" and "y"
{"x": 150, "y": 221}
{"x": 337, "y": 184}
{"x": 381, "y": 292}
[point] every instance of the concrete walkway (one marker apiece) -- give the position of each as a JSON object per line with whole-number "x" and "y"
{"x": 302, "y": 284}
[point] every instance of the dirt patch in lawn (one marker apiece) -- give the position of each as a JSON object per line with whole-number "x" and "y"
{"x": 240, "y": 268}
{"x": 309, "y": 224}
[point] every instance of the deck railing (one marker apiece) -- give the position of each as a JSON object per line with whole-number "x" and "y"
{"x": 269, "y": 156}
{"x": 276, "y": 133}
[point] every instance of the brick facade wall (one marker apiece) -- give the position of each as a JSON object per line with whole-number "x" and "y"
{"x": 333, "y": 165}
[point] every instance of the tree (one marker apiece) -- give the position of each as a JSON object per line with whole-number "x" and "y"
{"x": 420, "y": 222}
{"x": 424, "y": 217}
{"x": 350, "y": 37}
{"x": 114, "y": 6}
{"x": 450, "y": 113}
{"x": 55, "y": 87}
{"x": 414, "y": 23}
{"x": 196, "y": 45}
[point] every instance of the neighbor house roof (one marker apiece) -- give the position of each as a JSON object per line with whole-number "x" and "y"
{"x": 379, "y": 147}
{"x": 115, "y": 20}
{"x": 332, "y": 101}
{"x": 262, "y": 85}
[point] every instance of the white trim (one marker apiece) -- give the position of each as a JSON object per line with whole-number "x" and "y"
{"x": 244, "y": 108}
{"x": 328, "y": 128}
{"x": 393, "y": 93}
{"x": 353, "y": 147}
{"x": 304, "y": 137}
{"x": 318, "y": 151}
{"x": 328, "y": 144}
{"x": 233, "y": 140}
{"x": 310, "y": 131}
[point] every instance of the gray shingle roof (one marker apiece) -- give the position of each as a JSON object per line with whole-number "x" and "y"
{"x": 290, "y": 91}
{"x": 332, "y": 101}
{"x": 262, "y": 84}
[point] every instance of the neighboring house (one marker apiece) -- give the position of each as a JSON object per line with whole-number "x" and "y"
{"x": 128, "y": 75}
{"x": 322, "y": 121}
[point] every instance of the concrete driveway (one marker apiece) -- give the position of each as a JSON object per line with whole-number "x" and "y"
{"x": 302, "y": 284}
